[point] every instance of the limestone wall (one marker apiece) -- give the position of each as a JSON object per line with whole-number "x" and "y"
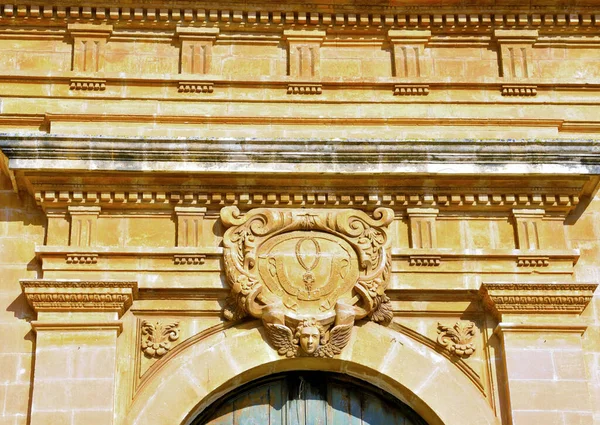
{"x": 127, "y": 131}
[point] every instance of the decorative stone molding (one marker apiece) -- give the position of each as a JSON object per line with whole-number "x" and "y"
{"x": 408, "y": 50}
{"x": 189, "y": 259}
{"x": 89, "y": 41}
{"x": 304, "y": 198}
{"x": 411, "y": 89}
{"x": 516, "y": 53}
{"x": 73, "y": 295}
{"x": 157, "y": 337}
{"x": 304, "y": 88}
{"x": 518, "y": 90}
{"x": 304, "y": 58}
{"x": 457, "y": 339}
{"x": 308, "y": 274}
{"x": 87, "y": 84}
{"x": 196, "y": 49}
{"x": 379, "y": 16}
{"x": 533, "y": 261}
{"x": 195, "y": 87}
{"x": 425, "y": 260}
{"x": 536, "y": 298}
{"x": 82, "y": 258}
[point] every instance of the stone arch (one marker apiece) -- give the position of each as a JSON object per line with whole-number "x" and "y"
{"x": 201, "y": 373}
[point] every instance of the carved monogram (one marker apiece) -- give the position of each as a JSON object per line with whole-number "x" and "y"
{"x": 458, "y": 339}
{"x": 308, "y": 274}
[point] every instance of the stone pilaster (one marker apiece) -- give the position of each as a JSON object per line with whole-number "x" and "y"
{"x": 408, "y": 50}
{"x": 196, "y": 49}
{"x": 422, "y": 227}
{"x": 304, "y": 57}
{"x": 89, "y": 43}
{"x": 516, "y": 52}
{"x": 189, "y": 225}
{"x": 526, "y": 222}
{"x": 83, "y": 225}
{"x": 75, "y": 362}
{"x": 540, "y": 331}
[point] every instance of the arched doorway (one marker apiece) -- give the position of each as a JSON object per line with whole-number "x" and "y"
{"x": 308, "y": 398}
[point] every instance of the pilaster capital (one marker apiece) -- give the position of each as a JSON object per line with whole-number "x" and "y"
{"x": 528, "y": 213}
{"x": 57, "y": 296}
{"x": 90, "y": 30}
{"x": 516, "y": 36}
{"x": 304, "y": 35}
{"x": 536, "y": 298}
{"x": 197, "y": 34}
{"x": 409, "y": 36}
{"x": 422, "y": 212}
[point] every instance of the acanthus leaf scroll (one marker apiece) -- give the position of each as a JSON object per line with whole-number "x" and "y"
{"x": 307, "y": 274}
{"x": 157, "y": 337}
{"x": 458, "y": 339}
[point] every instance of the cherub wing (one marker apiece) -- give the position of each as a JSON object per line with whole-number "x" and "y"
{"x": 282, "y": 339}
{"x": 338, "y": 339}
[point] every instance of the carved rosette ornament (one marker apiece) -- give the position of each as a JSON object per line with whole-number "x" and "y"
{"x": 157, "y": 337}
{"x": 458, "y": 339}
{"x": 308, "y": 274}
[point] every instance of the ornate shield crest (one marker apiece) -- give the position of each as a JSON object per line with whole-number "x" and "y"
{"x": 308, "y": 274}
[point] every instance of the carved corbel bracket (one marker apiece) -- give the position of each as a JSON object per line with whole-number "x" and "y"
{"x": 308, "y": 274}
{"x": 536, "y": 298}
{"x": 408, "y": 51}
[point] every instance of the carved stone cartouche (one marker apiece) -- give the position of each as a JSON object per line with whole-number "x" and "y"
{"x": 308, "y": 274}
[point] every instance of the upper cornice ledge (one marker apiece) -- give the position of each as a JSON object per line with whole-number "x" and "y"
{"x": 248, "y": 155}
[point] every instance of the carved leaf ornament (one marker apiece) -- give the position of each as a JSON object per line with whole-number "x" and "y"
{"x": 308, "y": 274}
{"x": 458, "y": 339}
{"x": 157, "y": 337}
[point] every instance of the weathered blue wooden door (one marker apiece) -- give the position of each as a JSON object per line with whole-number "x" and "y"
{"x": 309, "y": 398}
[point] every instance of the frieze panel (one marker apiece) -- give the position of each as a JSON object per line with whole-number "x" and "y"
{"x": 66, "y": 295}
{"x": 519, "y": 298}
{"x": 308, "y": 274}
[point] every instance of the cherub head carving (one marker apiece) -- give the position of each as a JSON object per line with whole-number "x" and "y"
{"x": 308, "y": 335}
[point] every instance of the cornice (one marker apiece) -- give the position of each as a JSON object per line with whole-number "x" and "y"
{"x": 536, "y": 298}
{"x": 253, "y": 155}
{"x": 72, "y": 295}
{"x": 455, "y": 16}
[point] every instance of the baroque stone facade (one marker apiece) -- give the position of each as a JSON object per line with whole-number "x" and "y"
{"x": 194, "y": 196}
